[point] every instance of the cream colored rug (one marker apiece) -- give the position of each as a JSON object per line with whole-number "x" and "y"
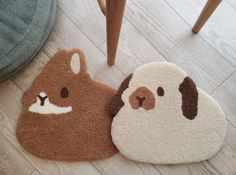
{"x": 161, "y": 117}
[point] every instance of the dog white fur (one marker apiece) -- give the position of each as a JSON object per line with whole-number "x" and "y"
{"x": 162, "y": 135}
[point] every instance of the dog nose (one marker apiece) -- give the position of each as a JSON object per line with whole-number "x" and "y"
{"x": 142, "y": 97}
{"x": 140, "y": 100}
{"x": 42, "y": 97}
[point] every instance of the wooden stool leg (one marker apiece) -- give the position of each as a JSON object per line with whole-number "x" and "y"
{"x": 208, "y": 9}
{"x": 114, "y": 13}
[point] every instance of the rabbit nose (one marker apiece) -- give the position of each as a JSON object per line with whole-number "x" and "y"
{"x": 140, "y": 100}
{"x": 42, "y": 97}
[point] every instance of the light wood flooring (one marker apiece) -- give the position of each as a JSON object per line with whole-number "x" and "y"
{"x": 153, "y": 30}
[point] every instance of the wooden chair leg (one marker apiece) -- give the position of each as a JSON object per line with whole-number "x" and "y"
{"x": 208, "y": 9}
{"x": 114, "y": 14}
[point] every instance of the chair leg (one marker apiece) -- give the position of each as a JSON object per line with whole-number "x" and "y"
{"x": 208, "y": 9}
{"x": 115, "y": 12}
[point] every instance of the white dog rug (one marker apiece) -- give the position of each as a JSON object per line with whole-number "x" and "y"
{"x": 161, "y": 117}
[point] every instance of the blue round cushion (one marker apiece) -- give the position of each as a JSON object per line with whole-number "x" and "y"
{"x": 24, "y": 27}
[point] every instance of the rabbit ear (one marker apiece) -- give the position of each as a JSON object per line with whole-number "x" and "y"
{"x": 189, "y": 93}
{"x": 78, "y": 63}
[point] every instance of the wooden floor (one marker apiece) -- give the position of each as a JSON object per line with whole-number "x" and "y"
{"x": 153, "y": 30}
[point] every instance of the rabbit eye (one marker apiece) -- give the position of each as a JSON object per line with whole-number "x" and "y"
{"x": 64, "y": 92}
{"x": 160, "y": 91}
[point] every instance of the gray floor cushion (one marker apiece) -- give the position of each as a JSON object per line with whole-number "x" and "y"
{"x": 24, "y": 27}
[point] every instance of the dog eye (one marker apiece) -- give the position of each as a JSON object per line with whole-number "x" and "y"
{"x": 64, "y": 92}
{"x": 160, "y": 91}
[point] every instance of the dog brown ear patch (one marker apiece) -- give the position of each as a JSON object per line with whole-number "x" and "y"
{"x": 116, "y": 101}
{"x": 189, "y": 93}
{"x": 65, "y": 115}
{"x": 142, "y": 97}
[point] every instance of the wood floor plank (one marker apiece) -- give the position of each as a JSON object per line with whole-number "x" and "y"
{"x": 35, "y": 173}
{"x": 231, "y": 135}
{"x": 11, "y": 161}
{"x": 226, "y": 96}
{"x": 117, "y": 165}
{"x": 133, "y": 51}
{"x": 25, "y": 78}
{"x": 232, "y": 3}
{"x": 225, "y": 161}
{"x": 10, "y": 103}
{"x": 88, "y": 17}
{"x": 219, "y": 30}
{"x": 148, "y": 169}
{"x": 203, "y": 168}
{"x": 173, "y": 38}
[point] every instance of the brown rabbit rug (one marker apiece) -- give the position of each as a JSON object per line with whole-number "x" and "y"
{"x": 65, "y": 115}
{"x": 161, "y": 117}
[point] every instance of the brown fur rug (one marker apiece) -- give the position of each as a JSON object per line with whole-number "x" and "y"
{"x": 65, "y": 114}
